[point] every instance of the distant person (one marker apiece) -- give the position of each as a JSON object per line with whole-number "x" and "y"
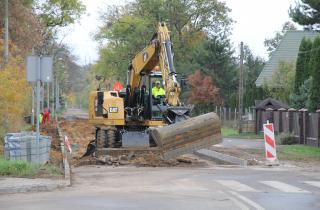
{"x": 40, "y": 118}
{"x": 46, "y": 117}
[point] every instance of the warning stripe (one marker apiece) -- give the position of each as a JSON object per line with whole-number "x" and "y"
{"x": 269, "y": 141}
{"x": 271, "y": 150}
{"x": 269, "y": 155}
{"x": 270, "y": 127}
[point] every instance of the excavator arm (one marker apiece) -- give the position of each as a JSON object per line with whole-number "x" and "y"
{"x": 157, "y": 53}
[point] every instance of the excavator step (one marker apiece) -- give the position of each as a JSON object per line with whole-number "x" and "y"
{"x": 188, "y": 136}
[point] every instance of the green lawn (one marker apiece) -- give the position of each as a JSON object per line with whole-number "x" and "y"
{"x": 301, "y": 150}
{"x": 19, "y": 168}
{"x": 231, "y": 132}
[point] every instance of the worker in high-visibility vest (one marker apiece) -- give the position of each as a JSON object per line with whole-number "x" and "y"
{"x": 158, "y": 92}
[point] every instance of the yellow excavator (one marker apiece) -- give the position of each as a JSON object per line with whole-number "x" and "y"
{"x": 134, "y": 119}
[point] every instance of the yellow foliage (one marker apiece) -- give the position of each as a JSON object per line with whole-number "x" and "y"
{"x": 14, "y": 95}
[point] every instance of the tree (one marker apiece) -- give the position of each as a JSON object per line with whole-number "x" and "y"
{"x": 301, "y": 99}
{"x": 306, "y": 13}
{"x": 315, "y": 73}
{"x": 282, "y": 82}
{"x": 59, "y": 13}
{"x": 203, "y": 91}
{"x": 302, "y": 65}
{"x": 252, "y": 67}
{"x": 14, "y": 97}
{"x": 273, "y": 43}
{"x": 23, "y": 25}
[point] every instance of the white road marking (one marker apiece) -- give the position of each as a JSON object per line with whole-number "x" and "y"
{"x": 240, "y": 204}
{"x": 313, "y": 183}
{"x": 284, "y": 187}
{"x": 247, "y": 201}
{"x": 236, "y": 186}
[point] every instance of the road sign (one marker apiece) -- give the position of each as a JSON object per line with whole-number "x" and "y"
{"x": 42, "y": 64}
{"x": 46, "y": 69}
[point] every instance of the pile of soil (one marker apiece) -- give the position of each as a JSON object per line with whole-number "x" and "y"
{"x": 55, "y": 153}
{"x": 149, "y": 159}
{"x": 79, "y": 133}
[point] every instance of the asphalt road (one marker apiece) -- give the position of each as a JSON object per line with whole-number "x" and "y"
{"x": 215, "y": 187}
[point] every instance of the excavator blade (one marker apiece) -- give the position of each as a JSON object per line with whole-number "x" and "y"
{"x": 188, "y": 136}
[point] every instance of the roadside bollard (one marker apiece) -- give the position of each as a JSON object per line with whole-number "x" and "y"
{"x": 270, "y": 144}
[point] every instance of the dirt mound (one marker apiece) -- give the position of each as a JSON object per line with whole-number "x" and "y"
{"x": 79, "y": 133}
{"x": 149, "y": 159}
{"x": 55, "y": 153}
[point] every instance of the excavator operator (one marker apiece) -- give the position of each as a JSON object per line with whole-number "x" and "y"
{"x": 158, "y": 93}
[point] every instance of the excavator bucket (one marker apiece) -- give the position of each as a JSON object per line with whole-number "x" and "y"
{"x": 188, "y": 136}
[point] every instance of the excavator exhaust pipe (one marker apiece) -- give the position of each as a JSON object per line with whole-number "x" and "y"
{"x": 188, "y": 136}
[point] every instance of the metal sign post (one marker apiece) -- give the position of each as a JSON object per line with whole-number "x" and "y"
{"x": 39, "y": 69}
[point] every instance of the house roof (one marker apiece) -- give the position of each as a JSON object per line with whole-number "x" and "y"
{"x": 287, "y": 51}
{"x": 270, "y": 103}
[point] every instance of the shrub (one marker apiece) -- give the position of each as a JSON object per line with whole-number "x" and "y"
{"x": 288, "y": 139}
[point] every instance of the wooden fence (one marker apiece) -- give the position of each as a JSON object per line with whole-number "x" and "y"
{"x": 230, "y": 118}
{"x": 303, "y": 125}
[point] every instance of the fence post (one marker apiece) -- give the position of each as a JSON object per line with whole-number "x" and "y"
{"x": 290, "y": 119}
{"x": 224, "y": 113}
{"x": 269, "y": 115}
{"x": 281, "y": 110}
{"x": 229, "y": 113}
{"x": 301, "y": 127}
{"x": 318, "y": 130}
{"x": 258, "y": 119}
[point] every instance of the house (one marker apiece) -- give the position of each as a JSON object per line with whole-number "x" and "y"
{"x": 287, "y": 51}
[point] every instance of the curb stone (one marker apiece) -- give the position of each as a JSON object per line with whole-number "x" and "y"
{"x": 11, "y": 185}
{"x": 222, "y": 157}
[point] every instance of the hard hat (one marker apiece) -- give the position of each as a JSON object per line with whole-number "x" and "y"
{"x": 157, "y": 68}
{"x": 158, "y": 82}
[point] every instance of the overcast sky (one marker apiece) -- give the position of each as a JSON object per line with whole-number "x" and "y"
{"x": 255, "y": 21}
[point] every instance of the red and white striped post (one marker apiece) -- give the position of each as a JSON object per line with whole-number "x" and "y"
{"x": 67, "y": 142}
{"x": 270, "y": 143}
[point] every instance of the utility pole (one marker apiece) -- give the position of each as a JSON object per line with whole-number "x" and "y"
{"x": 32, "y": 110}
{"x": 6, "y": 32}
{"x": 48, "y": 95}
{"x": 241, "y": 87}
{"x": 53, "y": 99}
{"x": 57, "y": 96}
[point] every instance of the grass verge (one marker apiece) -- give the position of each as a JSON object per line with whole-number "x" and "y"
{"x": 18, "y": 168}
{"x": 231, "y": 132}
{"x": 299, "y": 152}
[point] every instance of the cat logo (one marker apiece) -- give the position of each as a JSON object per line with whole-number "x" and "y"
{"x": 145, "y": 56}
{"x": 113, "y": 109}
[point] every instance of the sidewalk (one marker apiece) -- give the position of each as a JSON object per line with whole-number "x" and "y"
{"x": 21, "y": 185}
